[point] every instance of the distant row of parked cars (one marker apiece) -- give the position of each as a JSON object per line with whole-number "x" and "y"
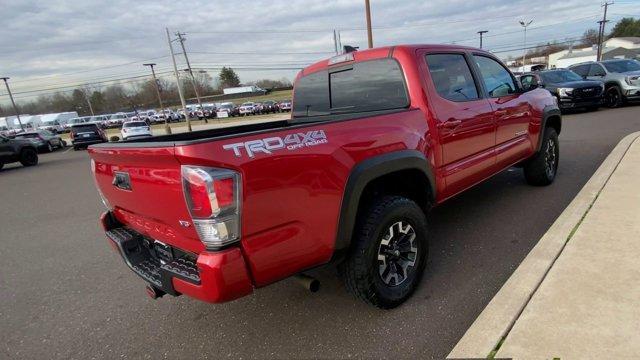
{"x": 591, "y": 84}
{"x": 208, "y": 111}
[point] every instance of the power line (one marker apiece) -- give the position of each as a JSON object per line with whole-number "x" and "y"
{"x": 263, "y": 53}
{"x": 79, "y": 85}
{"x": 94, "y": 69}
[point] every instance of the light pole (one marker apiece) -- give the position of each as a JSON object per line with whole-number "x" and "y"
{"x": 15, "y": 108}
{"x": 524, "y": 47}
{"x": 482, "y": 32}
{"x": 167, "y": 128}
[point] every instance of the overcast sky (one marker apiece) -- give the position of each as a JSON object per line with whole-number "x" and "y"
{"x": 48, "y": 44}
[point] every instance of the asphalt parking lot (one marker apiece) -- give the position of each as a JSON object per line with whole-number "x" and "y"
{"x": 65, "y": 294}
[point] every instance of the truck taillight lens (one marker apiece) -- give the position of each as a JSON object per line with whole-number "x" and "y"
{"x": 213, "y": 200}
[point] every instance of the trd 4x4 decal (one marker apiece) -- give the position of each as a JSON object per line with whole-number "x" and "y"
{"x": 268, "y": 145}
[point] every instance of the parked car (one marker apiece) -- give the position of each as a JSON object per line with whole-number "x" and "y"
{"x": 17, "y": 150}
{"x": 269, "y": 106}
{"x": 214, "y": 214}
{"x": 117, "y": 119}
{"x": 45, "y": 141}
{"x": 78, "y": 120}
{"x": 621, "y": 78}
{"x": 228, "y": 107}
{"x": 102, "y": 120}
{"x": 248, "y": 108}
{"x": 568, "y": 87}
{"x": 285, "y": 105}
{"x": 170, "y": 114}
{"x": 134, "y": 129}
{"x": 53, "y": 126}
{"x": 83, "y": 135}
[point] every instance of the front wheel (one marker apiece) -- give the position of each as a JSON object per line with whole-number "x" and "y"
{"x": 613, "y": 97}
{"x": 29, "y": 157}
{"x": 542, "y": 168}
{"x": 389, "y": 253}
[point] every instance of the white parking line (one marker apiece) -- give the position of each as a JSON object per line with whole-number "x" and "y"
{"x": 69, "y": 149}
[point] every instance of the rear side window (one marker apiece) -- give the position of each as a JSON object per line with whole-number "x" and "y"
{"x": 596, "y": 70}
{"x": 452, "y": 77}
{"x": 366, "y": 86}
{"x": 134, "y": 124}
{"x": 581, "y": 70}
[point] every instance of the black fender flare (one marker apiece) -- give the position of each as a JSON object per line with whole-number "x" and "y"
{"x": 365, "y": 172}
{"x": 547, "y": 113}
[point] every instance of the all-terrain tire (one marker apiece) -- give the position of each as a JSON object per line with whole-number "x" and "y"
{"x": 541, "y": 170}
{"x": 362, "y": 271}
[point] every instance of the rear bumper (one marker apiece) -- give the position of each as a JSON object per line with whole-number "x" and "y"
{"x": 81, "y": 142}
{"x": 212, "y": 277}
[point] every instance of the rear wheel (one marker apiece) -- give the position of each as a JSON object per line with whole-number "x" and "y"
{"x": 29, "y": 157}
{"x": 389, "y": 254}
{"x": 542, "y": 168}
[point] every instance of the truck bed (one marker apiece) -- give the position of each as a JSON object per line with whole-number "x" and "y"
{"x": 195, "y": 136}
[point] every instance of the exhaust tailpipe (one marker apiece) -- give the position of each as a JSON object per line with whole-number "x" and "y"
{"x": 310, "y": 283}
{"x": 153, "y": 292}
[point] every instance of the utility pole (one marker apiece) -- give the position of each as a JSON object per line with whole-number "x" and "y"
{"x": 335, "y": 42}
{"x": 193, "y": 79}
{"x": 167, "y": 128}
{"x": 15, "y": 108}
{"x": 175, "y": 70}
{"x": 524, "y": 47}
{"x": 86, "y": 98}
{"x": 602, "y": 23}
{"x": 369, "y": 33}
{"x": 482, "y": 32}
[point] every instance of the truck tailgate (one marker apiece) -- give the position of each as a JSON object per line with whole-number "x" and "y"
{"x": 148, "y": 196}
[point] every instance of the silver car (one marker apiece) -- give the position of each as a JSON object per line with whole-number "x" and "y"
{"x": 135, "y": 129}
{"x": 621, "y": 78}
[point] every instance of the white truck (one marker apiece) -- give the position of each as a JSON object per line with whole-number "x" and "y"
{"x": 243, "y": 89}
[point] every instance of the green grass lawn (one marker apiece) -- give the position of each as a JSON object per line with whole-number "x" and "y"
{"x": 275, "y": 96}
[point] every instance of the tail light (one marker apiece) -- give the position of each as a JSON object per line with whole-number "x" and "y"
{"x": 213, "y": 199}
{"x": 71, "y": 134}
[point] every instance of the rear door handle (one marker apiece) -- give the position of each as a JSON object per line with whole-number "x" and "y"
{"x": 451, "y": 123}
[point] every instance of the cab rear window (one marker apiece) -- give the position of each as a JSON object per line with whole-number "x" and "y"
{"x": 365, "y": 86}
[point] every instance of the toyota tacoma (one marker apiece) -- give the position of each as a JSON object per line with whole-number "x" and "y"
{"x": 376, "y": 138}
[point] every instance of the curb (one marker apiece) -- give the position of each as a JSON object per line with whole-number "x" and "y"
{"x": 497, "y": 319}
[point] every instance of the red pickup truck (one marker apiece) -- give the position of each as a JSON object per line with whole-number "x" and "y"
{"x": 375, "y": 139}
